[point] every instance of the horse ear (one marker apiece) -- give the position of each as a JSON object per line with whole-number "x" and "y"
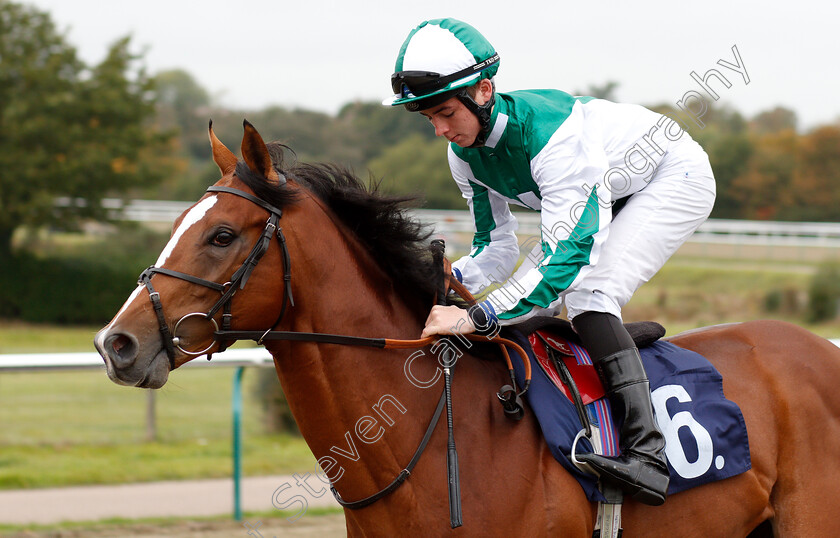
{"x": 256, "y": 153}
{"x": 224, "y": 158}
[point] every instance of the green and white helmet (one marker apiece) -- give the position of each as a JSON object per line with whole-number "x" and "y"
{"x": 438, "y": 58}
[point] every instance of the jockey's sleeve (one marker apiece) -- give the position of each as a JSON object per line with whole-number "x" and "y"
{"x": 494, "y": 251}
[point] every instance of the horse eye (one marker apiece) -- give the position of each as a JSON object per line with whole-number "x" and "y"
{"x": 222, "y": 238}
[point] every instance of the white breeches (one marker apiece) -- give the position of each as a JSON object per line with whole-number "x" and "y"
{"x": 647, "y": 231}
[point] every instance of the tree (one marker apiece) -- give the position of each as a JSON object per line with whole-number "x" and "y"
{"x": 68, "y": 130}
{"x": 764, "y": 187}
{"x": 374, "y": 127}
{"x": 417, "y": 165}
{"x": 184, "y": 104}
{"x": 814, "y": 190}
{"x": 773, "y": 121}
{"x": 729, "y": 155}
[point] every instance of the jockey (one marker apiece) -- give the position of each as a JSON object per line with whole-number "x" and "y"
{"x": 578, "y": 161}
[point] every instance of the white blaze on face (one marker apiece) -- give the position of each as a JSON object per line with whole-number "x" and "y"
{"x": 195, "y": 214}
{"x": 103, "y": 333}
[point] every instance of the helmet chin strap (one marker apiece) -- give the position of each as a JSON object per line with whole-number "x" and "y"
{"x": 482, "y": 112}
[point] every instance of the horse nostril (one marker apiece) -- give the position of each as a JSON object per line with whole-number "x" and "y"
{"x": 120, "y": 342}
{"x": 122, "y": 349}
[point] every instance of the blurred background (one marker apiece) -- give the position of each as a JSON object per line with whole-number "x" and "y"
{"x": 104, "y": 105}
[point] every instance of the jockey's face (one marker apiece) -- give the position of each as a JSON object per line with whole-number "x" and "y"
{"x": 455, "y": 121}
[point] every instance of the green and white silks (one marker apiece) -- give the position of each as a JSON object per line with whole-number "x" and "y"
{"x": 570, "y": 158}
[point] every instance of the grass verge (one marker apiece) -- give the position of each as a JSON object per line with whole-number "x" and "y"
{"x": 72, "y": 428}
{"x": 70, "y": 465}
{"x": 21, "y": 337}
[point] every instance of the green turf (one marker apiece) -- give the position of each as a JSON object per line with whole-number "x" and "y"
{"x": 86, "y": 407}
{"x": 18, "y": 337}
{"x": 64, "y": 465}
{"x": 66, "y": 428}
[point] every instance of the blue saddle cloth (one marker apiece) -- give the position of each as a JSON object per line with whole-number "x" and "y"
{"x": 705, "y": 434}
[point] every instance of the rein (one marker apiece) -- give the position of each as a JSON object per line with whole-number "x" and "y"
{"x": 508, "y": 395}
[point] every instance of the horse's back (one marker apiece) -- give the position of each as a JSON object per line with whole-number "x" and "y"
{"x": 785, "y": 379}
{"x": 773, "y": 361}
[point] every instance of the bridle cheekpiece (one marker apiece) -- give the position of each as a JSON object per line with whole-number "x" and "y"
{"x": 171, "y": 340}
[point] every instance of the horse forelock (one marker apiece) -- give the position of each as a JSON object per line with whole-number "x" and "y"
{"x": 397, "y": 241}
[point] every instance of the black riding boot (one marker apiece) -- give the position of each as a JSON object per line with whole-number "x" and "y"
{"x": 640, "y": 470}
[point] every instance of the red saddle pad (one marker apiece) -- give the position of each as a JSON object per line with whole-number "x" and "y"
{"x": 577, "y": 361}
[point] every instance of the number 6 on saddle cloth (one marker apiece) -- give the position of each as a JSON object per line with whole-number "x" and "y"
{"x": 705, "y": 434}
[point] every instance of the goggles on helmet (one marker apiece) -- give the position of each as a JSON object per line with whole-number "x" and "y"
{"x": 420, "y": 83}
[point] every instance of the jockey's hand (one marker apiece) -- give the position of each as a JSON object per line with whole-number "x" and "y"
{"x": 448, "y": 320}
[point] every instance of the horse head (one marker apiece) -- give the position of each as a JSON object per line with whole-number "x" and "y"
{"x": 213, "y": 252}
{"x": 340, "y": 230}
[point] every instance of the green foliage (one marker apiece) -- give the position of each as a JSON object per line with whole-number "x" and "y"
{"x": 314, "y": 136}
{"x": 191, "y": 184}
{"x": 416, "y": 165}
{"x": 67, "y": 129}
{"x": 360, "y": 132}
{"x": 773, "y": 121}
{"x": 63, "y": 281}
{"x": 729, "y": 154}
{"x": 375, "y": 128}
{"x": 764, "y": 169}
{"x": 824, "y": 293}
{"x": 182, "y": 104}
{"x": 785, "y": 301}
{"x": 60, "y": 291}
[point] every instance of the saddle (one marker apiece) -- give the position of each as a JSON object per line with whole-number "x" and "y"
{"x": 644, "y": 333}
{"x": 557, "y": 350}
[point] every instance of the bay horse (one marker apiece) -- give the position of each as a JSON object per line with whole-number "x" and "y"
{"x": 349, "y": 261}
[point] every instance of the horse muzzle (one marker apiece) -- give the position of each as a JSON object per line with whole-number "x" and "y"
{"x": 127, "y": 362}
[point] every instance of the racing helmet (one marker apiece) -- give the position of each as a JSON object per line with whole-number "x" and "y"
{"x": 439, "y": 60}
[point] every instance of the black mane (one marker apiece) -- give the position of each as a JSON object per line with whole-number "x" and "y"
{"x": 380, "y": 221}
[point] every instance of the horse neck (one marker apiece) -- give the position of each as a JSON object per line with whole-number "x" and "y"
{"x": 340, "y": 289}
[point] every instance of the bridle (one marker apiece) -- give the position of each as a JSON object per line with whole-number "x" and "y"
{"x": 508, "y": 395}
{"x": 237, "y": 281}
{"x": 224, "y": 334}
